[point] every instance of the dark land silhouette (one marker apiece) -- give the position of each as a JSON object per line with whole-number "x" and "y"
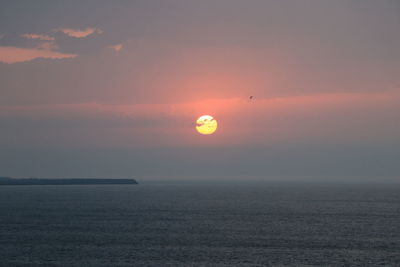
{"x": 64, "y": 181}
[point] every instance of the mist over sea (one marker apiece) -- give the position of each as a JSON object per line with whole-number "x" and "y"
{"x": 201, "y": 224}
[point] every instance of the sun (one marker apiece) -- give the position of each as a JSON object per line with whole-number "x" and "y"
{"x": 206, "y": 124}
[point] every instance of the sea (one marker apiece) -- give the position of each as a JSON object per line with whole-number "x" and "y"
{"x": 201, "y": 224}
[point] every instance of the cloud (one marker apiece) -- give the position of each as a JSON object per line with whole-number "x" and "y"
{"x": 116, "y": 47}
{"x": 78, "y": 33}
{"x": 1, "y": 36}
{"x": 34, "y": 36}
{"x": 47, "y": 46}
{"x": 46, "y": 42}
{"x": 315, "y": 119}
{"x": 10, "y": 54}
{"x": 163, "y": 73}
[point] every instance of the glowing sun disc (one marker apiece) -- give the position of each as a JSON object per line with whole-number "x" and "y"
{"x": 206, "y": 124}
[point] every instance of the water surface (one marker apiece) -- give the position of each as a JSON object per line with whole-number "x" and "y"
{"x": 200, "y": 224}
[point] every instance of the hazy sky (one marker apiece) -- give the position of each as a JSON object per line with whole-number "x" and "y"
{"x": 113, "y": 88}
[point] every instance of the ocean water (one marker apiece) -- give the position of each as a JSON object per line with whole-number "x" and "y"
{"x": 201, "y": 224}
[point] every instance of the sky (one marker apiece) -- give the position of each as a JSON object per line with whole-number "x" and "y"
{"x": 114, "y": 88}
